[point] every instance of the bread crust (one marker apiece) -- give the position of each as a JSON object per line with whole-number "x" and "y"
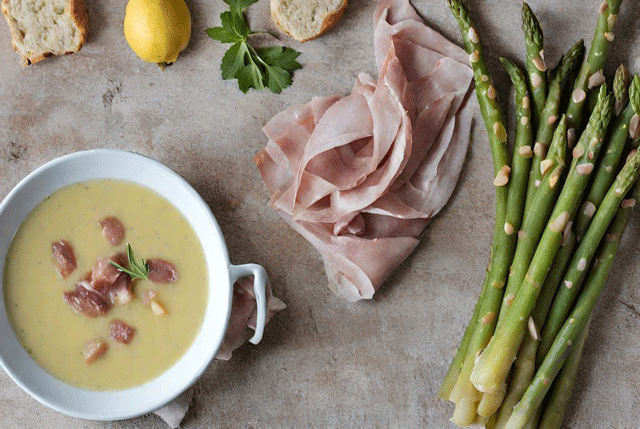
{"x": 78, "y": 13}
{"x": 328, "y": 23}
{"x": 331, "y": 20}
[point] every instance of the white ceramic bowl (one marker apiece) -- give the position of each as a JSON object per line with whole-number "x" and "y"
{"x": 136, "y": 401}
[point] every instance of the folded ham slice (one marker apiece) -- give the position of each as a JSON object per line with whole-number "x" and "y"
{"x": 361, "y": 175}
{"x": 244, "y": 315}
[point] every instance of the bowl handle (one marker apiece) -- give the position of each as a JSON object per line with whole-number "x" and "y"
{"x": 259, "y": 289}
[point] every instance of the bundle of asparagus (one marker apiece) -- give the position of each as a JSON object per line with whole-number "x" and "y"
{"x": 562, "y": 204}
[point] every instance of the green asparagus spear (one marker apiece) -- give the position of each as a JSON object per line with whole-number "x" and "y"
{"x": 493, "y": 365}
{"x": 487, "y": 99}
{"x": 521, "y": 161}
{"x": 533, "y": 225}
{"x": 591, "y": 73}
{"x": 563, "y": 385}
{"x": 463, "y": 393}
{"x": 621, "y": 82}
{"x": 535, "y": 65}
{"x": 608, "y": 166}
{"x": 548, "y": 119}
{"x": 578, "y": 318}
{"x": 513, "y": 217}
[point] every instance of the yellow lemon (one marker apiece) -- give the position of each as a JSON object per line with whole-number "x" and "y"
{"x": 157, "y": 30}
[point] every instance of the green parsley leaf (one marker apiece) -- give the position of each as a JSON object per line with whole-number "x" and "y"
{"x": 222, "y": 35}
{"x": 235, "y": 24}
{"x": 233, "y": 60}
{"x": 277, "y": 79}
{"x": 250, "y": 77}
{"x": 280, "y": 56}
{"x": 237, "y": 6}
{"x": 256, "y": 68}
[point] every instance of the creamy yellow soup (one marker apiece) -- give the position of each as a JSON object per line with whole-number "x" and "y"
{"x": 54, "y": 335}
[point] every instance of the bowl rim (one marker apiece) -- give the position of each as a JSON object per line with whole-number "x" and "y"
{"x": 190, "y": 367}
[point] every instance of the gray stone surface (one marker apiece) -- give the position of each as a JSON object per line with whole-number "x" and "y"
{"x": 323, "y": 362}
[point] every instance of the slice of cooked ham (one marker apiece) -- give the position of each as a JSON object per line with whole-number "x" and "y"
{"x": 361, "y": 190}
{"x": 119, "y": 293}
{"x": 104, "y": 275}
{"x": 64, "y": 257}
{"x": 161, "y": 271}
{"x": 95, "y": 349}
{"x": 86, "y": 301}
{"x": 244, "y": 315}
{"x": 121, "y": 332}
{"x": 112, "y": 230}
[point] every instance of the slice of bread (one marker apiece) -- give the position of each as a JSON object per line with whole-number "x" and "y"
{"x": 306, "y": 19}
{"x": 40, "y": 28}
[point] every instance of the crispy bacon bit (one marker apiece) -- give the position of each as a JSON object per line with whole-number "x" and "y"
{"x": 112, "y": 230}
{"x": 64, "y": 257}
{"x": 148, "y": 295}
{"x": 86, "y": 301}
{"x": 161, "y": 271}
{"x": 104, "y": 275}
{"x": 121, "y": 332}
{"x": 120, "y": 292}
{"x": 94, "y": 350}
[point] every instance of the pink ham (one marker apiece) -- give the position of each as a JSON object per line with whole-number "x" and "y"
{"x": 243, "y": 316}
{"x": 86, "y": 301}
{"x": 94, "y": 350}
{"x": 112, "y": 230}
{"x": 119, "y": 293}
{"x": 362, "y": 190}
{"x": 109, "y": 283}
{"x": 161, "y": 271}
{"x": 121, "y": 332}
{"x": 64, "y": 257}
{"x": 104, "y": 275}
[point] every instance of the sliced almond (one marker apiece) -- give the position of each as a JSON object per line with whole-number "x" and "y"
{"x": 596, "y": 79}
{"x": 157, "y": 308}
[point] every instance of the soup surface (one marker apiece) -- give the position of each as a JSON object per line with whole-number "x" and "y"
{"x": 55, "y": 335}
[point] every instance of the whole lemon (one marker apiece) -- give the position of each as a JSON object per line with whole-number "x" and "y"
{"x": 157, "y": 30}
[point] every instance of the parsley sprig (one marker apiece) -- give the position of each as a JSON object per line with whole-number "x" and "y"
{"x": 253, "y": 67}
{"x": 137, "y": 270}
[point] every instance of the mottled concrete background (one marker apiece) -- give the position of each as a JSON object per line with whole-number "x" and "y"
{"x": 323, "y": 362}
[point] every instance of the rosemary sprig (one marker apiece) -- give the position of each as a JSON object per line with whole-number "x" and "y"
{"x": 137, "y": 270}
